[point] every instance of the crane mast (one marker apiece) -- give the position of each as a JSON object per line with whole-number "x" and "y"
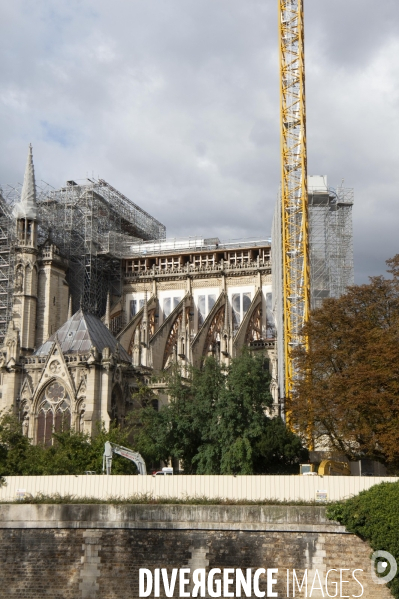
{"x": 294, "y": 196}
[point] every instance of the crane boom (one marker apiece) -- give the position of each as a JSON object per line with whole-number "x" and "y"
{"x": 294, "y": 196}
{"x": 129, "y": 454}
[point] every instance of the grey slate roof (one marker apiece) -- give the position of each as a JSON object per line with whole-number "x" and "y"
{"x": 80, "y": 333}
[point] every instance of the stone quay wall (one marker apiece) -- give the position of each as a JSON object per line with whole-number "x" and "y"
{"x": 96, "y": 551}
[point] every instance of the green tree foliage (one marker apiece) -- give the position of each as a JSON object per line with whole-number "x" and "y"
{"x": 71, "y": 453}
{"x": 215, "y": 424}
{"x": 350, "y": 393}
{"x": 374, "y": 516}
{"x": 218, "y": 423}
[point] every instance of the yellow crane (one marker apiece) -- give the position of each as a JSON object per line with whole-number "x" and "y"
{"x": 294, "y": 196}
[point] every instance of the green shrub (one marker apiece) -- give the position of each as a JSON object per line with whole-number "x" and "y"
{"x": 374, "y": 516}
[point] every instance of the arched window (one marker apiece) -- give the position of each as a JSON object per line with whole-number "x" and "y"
{"x": 54, "y": 413}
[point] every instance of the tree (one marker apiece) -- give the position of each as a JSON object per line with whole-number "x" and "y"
{"x": 349, "y": 393}
{"x": 279, "y": 450}
{"x": 179, "y": 429}
{"x": 218, "y": 423}
{"x": 241, "y": 412}
{"x": 17, "y": 455}
{"x": 71, "y": 452}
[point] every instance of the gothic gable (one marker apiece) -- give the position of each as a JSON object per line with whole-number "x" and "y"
{"x": 55, "y": 367}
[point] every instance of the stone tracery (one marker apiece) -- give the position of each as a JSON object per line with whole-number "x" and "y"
{"x": 54, "y": 412}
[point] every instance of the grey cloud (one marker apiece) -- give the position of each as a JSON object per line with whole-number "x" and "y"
{"x": 176, "y": 103}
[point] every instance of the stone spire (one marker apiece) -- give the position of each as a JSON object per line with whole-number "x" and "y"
{"x": 225, "y": 342}
{"x": 26, "y": 207}
{"x": 183, "y": 318}
{"x": 69, "y": 308}
{"x": 226, "y": 326}
{"x": 145, "y": 334}
{"x": 145, "y": 309}
{"x": 144, "y": 322}
{"x": 107, "y": 317}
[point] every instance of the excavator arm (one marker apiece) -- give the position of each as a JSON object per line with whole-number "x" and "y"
{"x": 129, "y": 454}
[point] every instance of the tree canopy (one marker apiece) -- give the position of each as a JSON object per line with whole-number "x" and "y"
{"x": 71, "y": 453}
{"x": 349, "y": 393}
{"x": 215, "y": 423}
{"x": 218, "y": 424}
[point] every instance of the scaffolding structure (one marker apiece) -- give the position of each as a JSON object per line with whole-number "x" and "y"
{"x": 89, "y": 222}
{"x": 7, "y": 260}
{"x": 330, "y": 242}
{"x": 330, "y": 254}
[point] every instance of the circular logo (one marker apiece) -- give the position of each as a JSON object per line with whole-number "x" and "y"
{"x": 384, "y": 564}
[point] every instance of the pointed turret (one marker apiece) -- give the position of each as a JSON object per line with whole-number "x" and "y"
{"x": 183, "y": 318}
{"x": 145, "y": 309}
{"x": 144, "y": 325}
{"x": 26, "y": 271}
{"x": 26, "y": 208}
{"x": 225, "y": 342}
{"x": 107, "y": 317}
{"x": 145, "y": 335}
{"x": 226, "y": 326}
{"x": 182, "y": 344}
{"x": 69, "y": 307}
{"x": 25, "y": 211}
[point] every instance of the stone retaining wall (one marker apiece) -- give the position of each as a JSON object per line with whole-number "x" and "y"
{"x": 96, "y": 551}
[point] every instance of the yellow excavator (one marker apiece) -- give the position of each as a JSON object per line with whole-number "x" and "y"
{"x": 326, "y": 468}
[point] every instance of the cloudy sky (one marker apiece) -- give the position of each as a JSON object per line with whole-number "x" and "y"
{"x": 176, "y": 104}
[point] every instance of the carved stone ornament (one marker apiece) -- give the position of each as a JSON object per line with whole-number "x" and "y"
{"x": 55, "y": 367}
{"x": 118, "y": 375}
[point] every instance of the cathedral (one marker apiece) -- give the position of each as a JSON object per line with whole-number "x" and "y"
{"x": 80, "y": 331}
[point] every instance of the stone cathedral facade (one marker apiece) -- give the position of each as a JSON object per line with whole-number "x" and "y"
{"x": 179, "y": 301}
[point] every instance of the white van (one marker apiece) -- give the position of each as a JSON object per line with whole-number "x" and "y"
{"x": 164, "y": 471}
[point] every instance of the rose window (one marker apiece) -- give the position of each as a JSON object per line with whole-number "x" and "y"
{"x": 55, "y": 392}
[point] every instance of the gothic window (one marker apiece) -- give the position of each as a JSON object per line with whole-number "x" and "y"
{"x": 240, "y": 303}
{"x": 169, "y": 304}
{"x": 204, "y": 306}
{"x": 135, "y": 306}
{"x": 54, "y": 413}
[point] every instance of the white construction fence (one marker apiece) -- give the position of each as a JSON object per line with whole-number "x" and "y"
{"x": 252, "y": 488}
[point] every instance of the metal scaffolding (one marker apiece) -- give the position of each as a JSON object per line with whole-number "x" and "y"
{"x": 330, "y": 253}
{"x": 88, "y": 222}
{"x": 7, "y": 259}
{"x": 330, "y": 243}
